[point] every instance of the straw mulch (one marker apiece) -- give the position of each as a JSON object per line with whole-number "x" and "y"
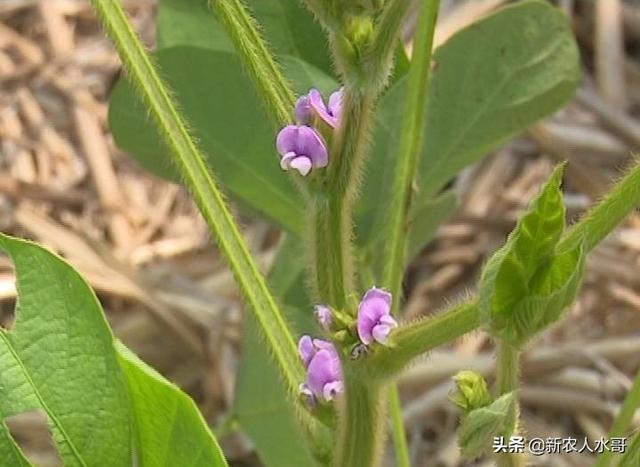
{"x": 142, "y": 245}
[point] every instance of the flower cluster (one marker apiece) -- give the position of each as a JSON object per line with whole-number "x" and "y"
{"x": 301, "y": 146}
{"x": 324, "y": 374}
{"x": 374, "y": 316}
{"x": 320, "y": 357}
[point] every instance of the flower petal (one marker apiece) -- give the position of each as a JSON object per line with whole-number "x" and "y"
{"x": 375, "y": 292}
{"x": 306, "y": 349}
{"x": 331, "y": 390}
{"x": 303, "y": 110}
{"x": 324, "y": 368}
{"x": 389, "y": 321}
{"x": 311, "y": 144}
{"x": 364, "y": 326}
{"x": 323, "y": 316}
{"x": 287, "y": 140}
{"x": 317, "y": 104}
{"x": 306, "y": 391}
{"x": 285, "y": 162}
{"x": 381, "y": 332}
{"x": 335, "y": 104}
{"x": 302, "y": 164}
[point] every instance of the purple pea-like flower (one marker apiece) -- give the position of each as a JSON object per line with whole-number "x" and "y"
{"x": 301, "y": 148}
{"x": 323, "y": 316}
{"x": 324, "y": 374}
{"x": 312, "y": 104}
{"x": 374, "y": 316}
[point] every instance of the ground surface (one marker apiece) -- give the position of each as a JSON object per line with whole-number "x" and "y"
{"x": 141, "y": 244}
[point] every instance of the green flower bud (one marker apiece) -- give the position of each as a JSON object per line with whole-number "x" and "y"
{"x": 472, "y": 392}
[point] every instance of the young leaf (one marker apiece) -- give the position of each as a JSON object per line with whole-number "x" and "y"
{"x": 480, "y": 426}
{"x": 527, "y": 284}
{"x": 58, "y": 357}
{"x": 169, "y": 429}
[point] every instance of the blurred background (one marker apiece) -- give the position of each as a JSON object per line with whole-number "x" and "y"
{"x": 141, "y": 244}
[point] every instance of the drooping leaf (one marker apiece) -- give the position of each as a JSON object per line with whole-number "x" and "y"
{"x": 288, "y": 27}
{"x": 490, "y": 81}
{"x": 169, "y": 429}
{"x": 59, "y": 357}
{"x": 229, "y": 122}
{"x": 265, "y": 414}
{"x": 527, "y": 284}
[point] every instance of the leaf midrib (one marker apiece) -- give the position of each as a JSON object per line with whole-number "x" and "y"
{"x": 54, "y": 419}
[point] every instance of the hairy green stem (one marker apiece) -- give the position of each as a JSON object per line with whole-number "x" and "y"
{"x": 397, "y": 428}
{"x": 360, "y": 437}
{"x": 623, "y": 420}
{"x": 191, "y": 164}
{"x": 400, "y": 205}
{"x": 507, "y": 373}
{"x": 254, "y": 52}
{"x": 332, "y": 209}
{"x": 413, "y": 340}
{"x": 384, "y": 41}
{"x": 409, "y": 149}
{"x": 608, "y": 213}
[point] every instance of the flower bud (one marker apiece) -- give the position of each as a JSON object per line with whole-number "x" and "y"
{"x": 472, "y": 392}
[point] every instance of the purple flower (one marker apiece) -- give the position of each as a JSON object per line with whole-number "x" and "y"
{"x": 323, "y": 316}
{"x": 374, "y": 316}
{"x": 301, "y": 148}
{"x": 312, "y": 104}
{"x": 324, "y": 374}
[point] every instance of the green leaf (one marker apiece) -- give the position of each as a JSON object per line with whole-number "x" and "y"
{"x": 427, "y": 217}
{"x": 189, "y": 22}
{"x": 229, "y": 123}
{"x": 480, "y": 426}
{"x": 265, "y": 415}
{"x": 491, "y": 80}
{"x": 59, "y": 358}
{"x": 169, "y": 428}
{"x": 288, "y": 26}
{"x": 527, "y": 284}
{"x": 10, "y": 452}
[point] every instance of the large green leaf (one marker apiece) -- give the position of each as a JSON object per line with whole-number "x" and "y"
{"x": 59, "y": 358}
{"x": 229, "y": 122}
{"x": 10, "y": 452}
{"x": 265, "y": 414}
{"x": 490, "y": 81}
{"x": 169, "y": 429}
{"x": 426, "y": 220}
{"x": 288, "y": 27}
